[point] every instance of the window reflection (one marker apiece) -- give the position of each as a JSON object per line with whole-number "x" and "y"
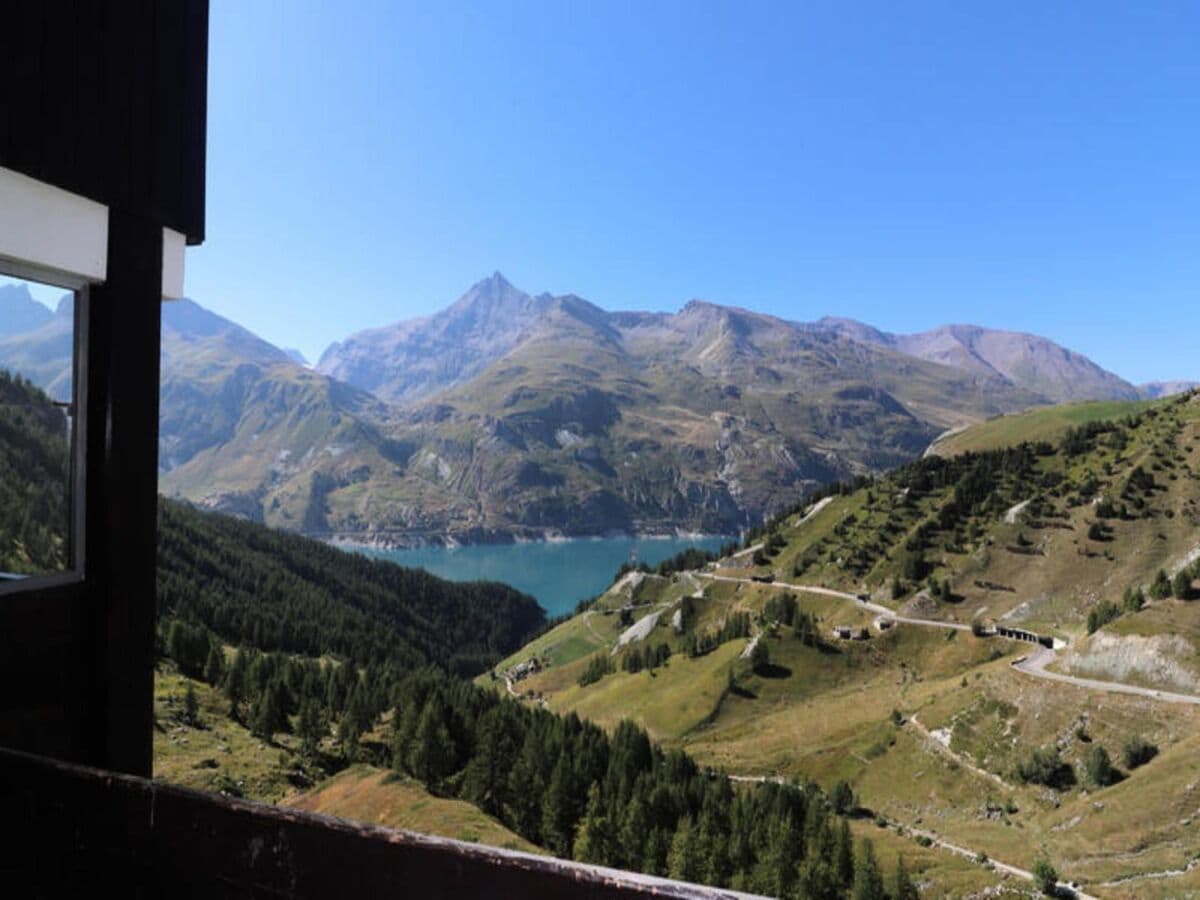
{"x": 37, "y": 382}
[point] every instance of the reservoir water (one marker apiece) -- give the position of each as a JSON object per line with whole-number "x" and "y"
{"x": 558, "y": 573}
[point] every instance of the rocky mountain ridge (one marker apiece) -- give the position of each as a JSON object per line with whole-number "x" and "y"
{"x": 512, "y": 415}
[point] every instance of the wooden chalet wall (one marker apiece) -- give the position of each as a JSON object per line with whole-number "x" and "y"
{"x": 105, "y": 99}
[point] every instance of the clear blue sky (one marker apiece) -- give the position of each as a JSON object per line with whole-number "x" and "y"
{"x": 1028, "y": 165}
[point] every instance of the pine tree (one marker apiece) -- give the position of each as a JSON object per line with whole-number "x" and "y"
{"x": 267, "y": 715}
{"x": 191, "y": 706}
{"x": 760, "y": 656}
{"x": 431, "y": 758}
{"x": 525, "y": 788}
{"x": 348, "y": 735}
{"x": 595, "y": 841}
{"x": 558, "y": 819}
{"x": 235, "y": 681}
{"x": 905, "y": 888}
{"x": 485, "y": 779}
{"x": 214, "y": 666}
{"x": 312, "y": 728}
{"x": 868, "y": 882}
{"x": 683, "y": 863}
{"x": 843, "y": 854}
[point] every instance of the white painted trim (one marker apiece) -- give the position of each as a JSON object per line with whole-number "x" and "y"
{"x": 47, "y": 228}
{"x": 174, "y": 245}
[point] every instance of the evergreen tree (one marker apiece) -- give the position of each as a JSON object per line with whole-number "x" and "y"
{"x": 760, "y": 656}
{"x": 431, "y": 757}
{"x": 235, "y": 681}
{"x": 525, "y": 789}
{"x": 1181, "y": 587}
{"x": 868, "y": 882}
{"x": 683, "y": 860}
{"x": 485, "y": 780}
{"x": 312, "y": 727}
{"x": 558, "y": 819}
{"x": 1160, "y": 588}
{"x": 214, "y": 666}
{"x": 595, "y": 840}
{"x": 191, "y": 706}
{"x": 905, "y": 888}
{"x": 1099, "y": 768}
{"x": 348, "y": 735}
{"x": 269, "y": 716}
{"x": 843, "y": 853}
{"x": 817, "y": 881}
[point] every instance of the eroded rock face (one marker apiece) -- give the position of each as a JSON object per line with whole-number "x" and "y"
{"x": 1163, "y": 660}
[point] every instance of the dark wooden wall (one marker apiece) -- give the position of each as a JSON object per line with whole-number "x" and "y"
{"x": 104, "y": 98}
{"x": 87, "y": 833}
{"x": 107, "y": 99}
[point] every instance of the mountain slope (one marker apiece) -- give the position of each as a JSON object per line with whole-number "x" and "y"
{"x": 1038, "y": 365}
{"x": 273, "y": 591}
{"x": 930, "y": 714}
{"x": 567, "y": 417}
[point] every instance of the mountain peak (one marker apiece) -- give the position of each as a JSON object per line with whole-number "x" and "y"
{"x": 19, "y": 312}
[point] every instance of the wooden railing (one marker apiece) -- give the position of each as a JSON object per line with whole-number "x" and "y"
{"x": 78, "y": 831}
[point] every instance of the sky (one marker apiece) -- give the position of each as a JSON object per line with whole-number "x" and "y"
{"x": 1024, "y": 165}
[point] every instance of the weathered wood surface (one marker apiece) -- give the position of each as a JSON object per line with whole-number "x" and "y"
{"x": 86, "y": 832}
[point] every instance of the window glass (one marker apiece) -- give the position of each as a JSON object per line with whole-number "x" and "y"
{"x": 37, "y": 394}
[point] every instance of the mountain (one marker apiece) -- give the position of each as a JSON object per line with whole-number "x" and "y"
{"x": 44, "y": 353}
{"x": 244, "y": 429}
{"x": 19, "y": 312}
{"x": 1152, "y": 390}
{"x": 516, "y": 415}
{"x": 528, "y": 414}
{"x": 411, "y": 360}
{"x": 1036, "y": 364}
{"x": 296, "y": 356}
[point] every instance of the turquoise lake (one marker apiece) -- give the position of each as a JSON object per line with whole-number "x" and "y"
{"x": 558, "y": 573}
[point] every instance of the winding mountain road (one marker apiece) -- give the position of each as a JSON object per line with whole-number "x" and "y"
{"x": 1035, "y": 664}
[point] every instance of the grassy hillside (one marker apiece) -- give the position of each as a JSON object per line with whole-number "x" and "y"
{"x": 929, "y": 721}
{"x": 1047, "y": 423}
{"x": 385, "y": 798}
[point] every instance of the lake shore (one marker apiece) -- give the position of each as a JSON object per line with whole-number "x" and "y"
{"x": 558, "y": 573}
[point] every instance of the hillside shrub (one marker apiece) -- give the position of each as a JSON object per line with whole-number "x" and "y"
{"x": 1099, "y": 768}
{"x": 1138, "y": 751}
{"x": 1044, "y": 765}
{"x": 598, "y": 666}
{"x": 1161, "y": 587}
{"x": 1045, "y": 876}
{"x": 1101, "y": 614}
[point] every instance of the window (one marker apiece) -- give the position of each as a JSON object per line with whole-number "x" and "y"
{"x": 40, "y": 433}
